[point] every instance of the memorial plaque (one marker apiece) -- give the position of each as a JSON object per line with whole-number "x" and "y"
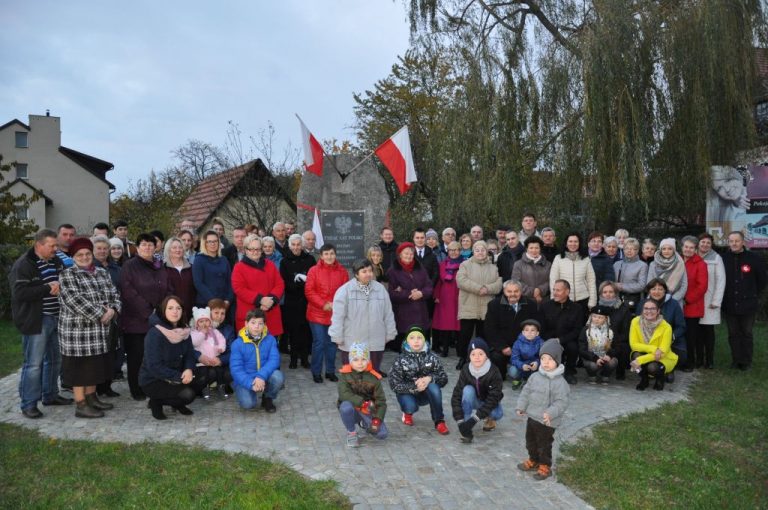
{"x": 346, "y": 231}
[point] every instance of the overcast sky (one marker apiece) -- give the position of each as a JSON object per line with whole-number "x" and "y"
{"x": 133, "y": 80}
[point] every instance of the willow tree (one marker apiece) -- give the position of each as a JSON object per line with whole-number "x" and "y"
{"x": 636, "y": 99}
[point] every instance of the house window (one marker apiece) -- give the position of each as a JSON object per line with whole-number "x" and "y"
{"x": 21, "y": 139}
{"x": 21, "y": 171}
{"x": 22, "y": 213}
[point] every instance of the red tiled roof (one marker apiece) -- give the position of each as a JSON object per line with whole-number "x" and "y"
{"x": 202, "y": 203}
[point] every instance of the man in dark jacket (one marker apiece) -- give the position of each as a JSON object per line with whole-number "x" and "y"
{"x": 563, "y": 319}
{"x": 601, "y": 262}
{"x": 34, "y": 281}
{"x": 510, "y": 254}
{"x": 745, "y": 279}
{"x": 235, "y": 252}
{"x": 549, "y": 248}
{"x": 425, "y": 256}
{"x": 502, "y": 322}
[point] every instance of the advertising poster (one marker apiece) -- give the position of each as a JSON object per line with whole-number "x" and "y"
{"x": 737, "y": 200}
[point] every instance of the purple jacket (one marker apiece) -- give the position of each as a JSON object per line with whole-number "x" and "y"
{"x": 143, "y": 286}
{"x": 407, "y": 312}
{"x": 446, "y": 291}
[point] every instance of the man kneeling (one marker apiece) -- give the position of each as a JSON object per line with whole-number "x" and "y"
{"x": 255, "y": 363}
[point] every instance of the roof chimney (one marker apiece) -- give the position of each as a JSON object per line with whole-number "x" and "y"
{"x": 47, "y": 112}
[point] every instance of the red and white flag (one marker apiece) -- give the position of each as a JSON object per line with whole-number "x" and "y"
{"x": 318, "y": 231}
{"x": 396, "y": 155}
{"x": 313, "y": 151}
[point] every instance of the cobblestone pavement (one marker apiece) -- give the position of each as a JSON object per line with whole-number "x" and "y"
{"x": 414, "y": 468}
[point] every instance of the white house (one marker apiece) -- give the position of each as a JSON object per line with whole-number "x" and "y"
{"x": 73, "y": 185}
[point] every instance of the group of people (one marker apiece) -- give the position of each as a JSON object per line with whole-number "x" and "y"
{"x": 195, "y": 318}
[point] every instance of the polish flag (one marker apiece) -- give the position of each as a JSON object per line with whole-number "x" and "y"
{"x": 396, "y": 155}
{"x": 313, "y": 151}
{"x": 318, "y": 231}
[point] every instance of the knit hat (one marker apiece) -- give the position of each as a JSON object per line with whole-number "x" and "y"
{"x": 432, "y": 233}
{"x": 669, "y": 241}
{"x": 403, "y": 246}
{"x": 414, "y": 330}
{"x": 600, "y": 310}
{"x": 359, "y": 351}
{"x": 553, "y": 348}
{"x": 200, "y": 313}
{"x": 115, "y": 241}
{"x": 477, "y": 343}
{"x": 530, "y": 322}
{"x": 80, "y": 243}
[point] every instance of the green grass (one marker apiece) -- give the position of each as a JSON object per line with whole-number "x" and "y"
{"x": 710, "y": 452}
{"x": 10, "y": 348}
{"x": 49, "y": 473}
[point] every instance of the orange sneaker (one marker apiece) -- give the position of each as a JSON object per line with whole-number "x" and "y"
{"x": 408, "y": 419}
{"x": 528, "y": 465}
{"x": 543, "y": 473}
{"x": 442, "y": 428}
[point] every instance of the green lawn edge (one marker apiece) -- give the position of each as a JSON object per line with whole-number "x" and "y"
{"x": 707, "y": 452}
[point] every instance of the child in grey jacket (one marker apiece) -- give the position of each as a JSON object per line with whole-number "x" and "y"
{"x": 544, "y": 399}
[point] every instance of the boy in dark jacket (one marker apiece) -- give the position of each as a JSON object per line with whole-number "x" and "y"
{"x": 478, "y": 392}
{"x": 416, "y": 377}
{"x": 544, "y": 399}
{"x": 525, "y": 353}
{"x": 361, "y": 396}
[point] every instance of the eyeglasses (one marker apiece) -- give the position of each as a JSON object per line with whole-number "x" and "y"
{"x": 253, "y": 249}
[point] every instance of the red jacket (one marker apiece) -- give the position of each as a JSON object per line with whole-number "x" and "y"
{"x": 322, "y": 283}
{"x": 698, "y": 279}
{"x": 251, "y": 282}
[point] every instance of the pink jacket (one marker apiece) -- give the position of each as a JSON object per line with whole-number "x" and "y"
{"x": 210, "y": 345}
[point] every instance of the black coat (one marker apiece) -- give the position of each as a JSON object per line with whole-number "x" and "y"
{"x": 230, "y": 253}
{"x": 295, "y": 307}
{"x": 490, "y": 391}
{"x": 430, "y": 264}
{"x": 603, "y": 266}
{"x": 163, "y": 360}
{"x": 550, "y": 252}
{"x": 745, "y": 279}
{"x": 27, "y": 292}
{"x": 507, "y": 259}
{"x": 563, "y": 321}
{"x": 502, "y": 322}
{"x": 389, "y": 254}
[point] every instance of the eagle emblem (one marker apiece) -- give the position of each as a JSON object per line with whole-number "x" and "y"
{"x": 343, "y": 224}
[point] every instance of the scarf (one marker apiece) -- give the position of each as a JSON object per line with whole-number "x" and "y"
{"x": 477, "y": 373}
{"x": 611, "y": 303}
{"x": 258, "y": 264}
{"x": 364, "y": 288}
{"x": 594, "y": 253}
{"x": 599, "y": 338}
{"x": 648, "y": 327}
{"x": 175, "y": 335}
{"x": 408, "y": 268}
{"x": 710, "y": 256}
{"x": 572, "y": 255}
{"x": 670, "y": 270}
{"x": 629, "y": 260}
{"x": 466, "y": 254}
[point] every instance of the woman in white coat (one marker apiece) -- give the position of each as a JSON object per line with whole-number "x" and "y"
{"x": 713, "y": 298}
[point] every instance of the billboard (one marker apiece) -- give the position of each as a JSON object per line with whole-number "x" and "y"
{"x": 737, "y": 199}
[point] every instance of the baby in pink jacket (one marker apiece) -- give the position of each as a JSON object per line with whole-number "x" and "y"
{"x": 210, "y": 343}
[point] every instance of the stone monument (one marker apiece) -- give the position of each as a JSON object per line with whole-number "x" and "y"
{"x": 352, "y": 205}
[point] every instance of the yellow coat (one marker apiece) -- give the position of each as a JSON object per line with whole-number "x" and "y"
{"x": 661, "y": 339}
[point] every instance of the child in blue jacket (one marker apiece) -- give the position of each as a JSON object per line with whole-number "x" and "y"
{"x": 525, "y": 353}
{"x": 255, "y": 363}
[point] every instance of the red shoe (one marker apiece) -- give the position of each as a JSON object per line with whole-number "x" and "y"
{"x": 408, "y": 419}
{"x": 442, "y": 428}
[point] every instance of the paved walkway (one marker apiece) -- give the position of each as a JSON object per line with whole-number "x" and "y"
{"x": 413, "y": 468}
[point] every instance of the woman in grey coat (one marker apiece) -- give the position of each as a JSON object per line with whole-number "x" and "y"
{"x": 362, "y": 312}
{"x": 631, "y": 273}
{"x": 532, "y": 270}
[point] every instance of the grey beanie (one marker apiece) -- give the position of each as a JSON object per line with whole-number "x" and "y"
{"x": 553, "y": 348}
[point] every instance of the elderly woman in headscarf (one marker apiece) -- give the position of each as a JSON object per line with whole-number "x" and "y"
{"x": 89, "y": 305}
{"x": 669, "y": 266}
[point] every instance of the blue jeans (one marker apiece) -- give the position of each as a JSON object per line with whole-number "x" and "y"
{"x": 517, "y": 375}
{"x": 409, "y": 403}
{"x": 42, "y": 364}
{"x": 248, "y": 399}
{"x": 322, "y": 348}
{"x": 470, "y": 402}
{"x": 351, "y": 417}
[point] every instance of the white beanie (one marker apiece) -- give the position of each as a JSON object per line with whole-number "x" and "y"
{"x": 200, "y": 313}
{"x": 669, "y": 241}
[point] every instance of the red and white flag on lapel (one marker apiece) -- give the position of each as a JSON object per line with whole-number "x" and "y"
{"x": 396, "y": 155}
{"x": 313, "y": 151}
